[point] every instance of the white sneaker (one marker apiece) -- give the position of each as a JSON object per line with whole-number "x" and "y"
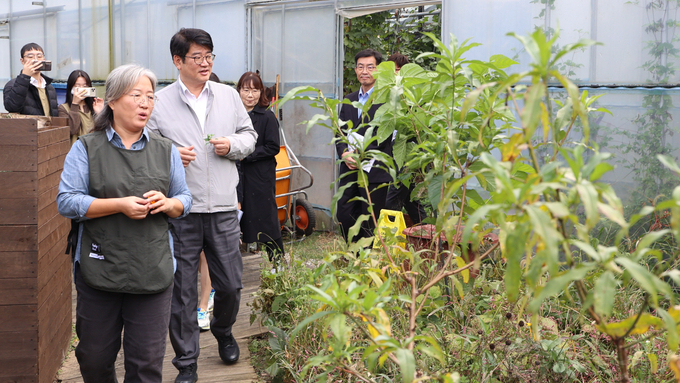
{"x": 211, "y": 301}
{"x": 203, "y": 320}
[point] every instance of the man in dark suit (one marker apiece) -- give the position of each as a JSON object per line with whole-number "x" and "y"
{"x": 348, "y": 211}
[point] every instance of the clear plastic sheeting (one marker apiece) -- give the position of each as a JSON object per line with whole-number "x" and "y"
{"x": 298, "y": 42}
{"x": 631, "y": 138}
{"x": 619, "y": 26}
{"x": 76, "y": 34}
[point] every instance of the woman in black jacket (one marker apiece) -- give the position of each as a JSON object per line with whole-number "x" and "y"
{"x": 260, "y": 221}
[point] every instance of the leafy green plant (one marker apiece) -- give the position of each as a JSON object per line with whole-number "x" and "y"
{"x": 376, "y": 307}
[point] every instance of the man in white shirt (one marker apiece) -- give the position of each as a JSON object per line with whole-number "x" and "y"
{"x": 212, "y": 130}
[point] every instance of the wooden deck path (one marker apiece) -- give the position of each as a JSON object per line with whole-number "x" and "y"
{"x": 210, "y": 366}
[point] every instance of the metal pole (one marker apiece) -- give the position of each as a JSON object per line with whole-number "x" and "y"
{"x": 193, "y": 14}
{"x": 123, "y": 54}
{"x": 592, "y": 72}
{"x": 9, "y": 29}
{"x": 546, "y": 22}
{"x": 44, "y": 5}
{"x": 283, "y": 45}
{"x": 249, "y": 38}
{"x": 148, "y": 35}
{"x": 112, "y": 62}
{"x": 80, "y": 34}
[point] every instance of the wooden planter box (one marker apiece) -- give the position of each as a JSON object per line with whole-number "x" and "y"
{"x": 35, "y": 274}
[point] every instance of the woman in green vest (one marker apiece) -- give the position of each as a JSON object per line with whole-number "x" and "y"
{"x": 123, "y": 183}
{"x": 80, "y": 107}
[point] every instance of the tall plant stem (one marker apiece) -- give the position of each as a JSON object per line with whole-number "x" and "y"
{"x": 622, "y": 354}
{"x": 350, "y": 370}
{"x": 443, "y": 274}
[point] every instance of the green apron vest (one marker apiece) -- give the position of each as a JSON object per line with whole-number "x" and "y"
{"x": 120, "y": 254}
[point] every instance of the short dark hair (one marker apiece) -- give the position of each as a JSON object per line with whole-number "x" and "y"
{"x": 213, "y": 77}
{"x": 182, "y": 40}
{"x": 72, "y": 78}
{"x": 31, "y": 47}
{"x": 253, "y": 80}
{"x": 369, "y": 53}
{"x": 399, "y": 59}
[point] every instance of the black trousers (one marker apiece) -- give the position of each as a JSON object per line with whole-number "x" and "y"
{"x": 102, "y": 316}
{"x": 217, "y": 234}
{"x": 347, "y": 212}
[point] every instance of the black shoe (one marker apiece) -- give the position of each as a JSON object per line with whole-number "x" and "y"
{"x": 187, "y": 374}
{"x": 228, "y": 349}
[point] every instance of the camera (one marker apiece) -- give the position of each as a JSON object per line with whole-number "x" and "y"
{"x": 46, "y": 66}
{"x": 90, "y": 92}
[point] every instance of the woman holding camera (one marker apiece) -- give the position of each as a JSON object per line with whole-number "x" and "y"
{"x": 81, "y": 104}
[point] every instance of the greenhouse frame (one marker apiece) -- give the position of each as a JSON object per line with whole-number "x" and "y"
{"x": 302, "y": 42}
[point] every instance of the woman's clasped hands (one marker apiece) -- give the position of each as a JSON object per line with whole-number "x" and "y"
{"x": 137, "y": 208}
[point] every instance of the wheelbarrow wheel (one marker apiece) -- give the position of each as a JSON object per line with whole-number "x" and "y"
{"x": 303, "y": 218}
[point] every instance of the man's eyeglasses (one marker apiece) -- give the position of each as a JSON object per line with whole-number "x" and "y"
{"x": 199, "y": 59}
{"x": 361, "y": 68}
{"x": 141, "y": 99}
{"x": 35, "y": 57}
{"x": 249, "y": 91}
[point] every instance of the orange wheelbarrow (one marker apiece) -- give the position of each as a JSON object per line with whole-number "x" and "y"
{"x": 289, "y": 201}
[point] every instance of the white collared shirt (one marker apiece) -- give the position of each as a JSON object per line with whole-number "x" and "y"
{"x": 35, "y": 83}
{"x": 198, "y": 104}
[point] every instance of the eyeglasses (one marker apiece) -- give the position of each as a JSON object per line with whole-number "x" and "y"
{"x": 199, "y": 59}
{"x": 140, "y": 99}
{"x": 361, "y": 68}
{"x": 39, "y": 56}
{"x": 249, "y": 91}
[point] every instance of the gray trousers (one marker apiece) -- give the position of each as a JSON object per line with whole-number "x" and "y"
{"x": 101, "y": 316}
{"x": 217, "y": 234}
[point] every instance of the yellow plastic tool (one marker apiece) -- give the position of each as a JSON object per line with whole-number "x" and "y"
{"x": 388, "y": 221}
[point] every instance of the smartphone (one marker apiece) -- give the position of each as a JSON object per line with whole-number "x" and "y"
{"x": 46, "y": 66}
{"x": 90, "y": 92}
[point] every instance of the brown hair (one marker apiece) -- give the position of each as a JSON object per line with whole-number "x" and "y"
{"x": 399, "y": 60}
{"x": 254, "y": 81}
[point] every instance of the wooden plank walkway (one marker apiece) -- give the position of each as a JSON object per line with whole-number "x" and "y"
{"x": 210, "y": 366}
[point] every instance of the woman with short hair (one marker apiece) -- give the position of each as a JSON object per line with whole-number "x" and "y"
{"x": 123, "y": 183}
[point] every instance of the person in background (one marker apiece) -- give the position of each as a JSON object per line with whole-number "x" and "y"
{"x": 399, "y": 61}
{"x": 79, "y": 109}
{"x": 398, "y": 195}
{"x": 349, "y": 210}
{"x": 31, "y": 92}
{"x": 123, "y": 183}
{"x": 80, "y": 112}
{"x": 260, "y": 221}
{"x": 210, "y": 126}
